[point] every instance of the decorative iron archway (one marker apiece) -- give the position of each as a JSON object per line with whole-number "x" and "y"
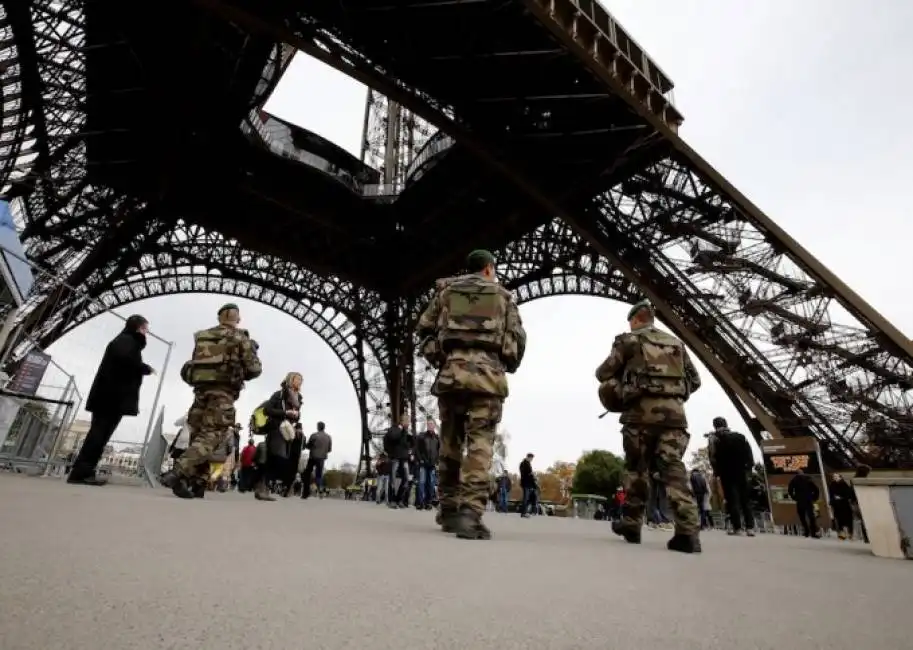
{"x": 802, "y": 351}
{"x": 554, "y": 261}
{"x": 188, "y": 259}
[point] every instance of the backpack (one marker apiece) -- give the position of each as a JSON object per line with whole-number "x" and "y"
{"x": 258, "y": 418}
{"x": 473, "y": 315}
{"x": 215, "y": 360}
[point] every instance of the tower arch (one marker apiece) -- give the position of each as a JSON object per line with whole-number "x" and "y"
{"x": 553, "y": 260}
{"x": 57, "y": 314}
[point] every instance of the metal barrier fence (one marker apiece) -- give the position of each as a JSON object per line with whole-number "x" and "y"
{"x": 43, "y": 421}
{"x": 33, "y": 418}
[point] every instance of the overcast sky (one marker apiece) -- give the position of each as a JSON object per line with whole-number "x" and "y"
{"x": 804, "y": 106}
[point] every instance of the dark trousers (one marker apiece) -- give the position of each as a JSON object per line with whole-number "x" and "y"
{"x": 100, "y": 431}
{"x": 843, "y": 515}
{"x": 530, "y": 501}
{"x": 806, "y": 511}
{"x": 399, "y": 469}
{"x": 246, "y": 479}
{"x": 706, "y": 521}
{"x": 313, "y": 468}
{"x": 738, "y": 501}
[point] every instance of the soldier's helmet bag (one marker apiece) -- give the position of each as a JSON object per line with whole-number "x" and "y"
{"x": 216, "y": 358}
{"x": 610, "y": 396}
{"x": 473, "y": 316}
{"x": 663, "y": 366}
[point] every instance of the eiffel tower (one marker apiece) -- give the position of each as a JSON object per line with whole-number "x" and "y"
{"x": 140, "y": 163}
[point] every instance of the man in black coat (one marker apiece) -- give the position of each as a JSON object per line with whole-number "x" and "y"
{"x": 527, "y": 484}
{"x": 427, "y": 454}
{"x": 114, "y": 394}
{"x": 398, "y": 446}
{"x": 805, "y": 493}
{"x": 732, "y": 460}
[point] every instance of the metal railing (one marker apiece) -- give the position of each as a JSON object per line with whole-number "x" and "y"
{"x": 41, "y": 403}
{"x": 253, "y": 127}
{"x": 33, "y": 427}
{"x": 438, "y": 143}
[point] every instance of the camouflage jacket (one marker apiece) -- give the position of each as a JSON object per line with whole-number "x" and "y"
{"x": 247, "y": 365}
{"x": 474, "y": 371}
{"x": 665, "y": 411}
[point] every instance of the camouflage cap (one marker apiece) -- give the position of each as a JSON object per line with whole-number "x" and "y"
{"x": 479, "y": 259}
{"x": 229, "y": 306}
{"x": 637, "y": 306}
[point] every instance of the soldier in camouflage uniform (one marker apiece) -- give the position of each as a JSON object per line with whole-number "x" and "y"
{"x": 224, "y": 357}
{"x": 647, "y": 378}
{"x": 472, "y": 334}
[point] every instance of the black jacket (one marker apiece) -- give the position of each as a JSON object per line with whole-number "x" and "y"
{"x": 841, "y": 494}
{"x": 320, "y": 444}
{"x": 428, "y": 449}
{"x": 802, "y": 489}
{"x": 115, "y": 389}
{"x": 730, "y": 453}
{"x": 527, "y": 478}
{"x": 397, "y": 443}
{"x": 275, "y": 409}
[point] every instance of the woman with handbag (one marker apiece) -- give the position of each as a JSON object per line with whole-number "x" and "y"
{"x": 282, "y": 411}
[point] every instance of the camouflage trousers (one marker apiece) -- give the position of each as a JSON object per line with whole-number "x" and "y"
{"x": 657, "y": 451}
{"x": 211, "y": 419}
{"x": 470, "y": 421}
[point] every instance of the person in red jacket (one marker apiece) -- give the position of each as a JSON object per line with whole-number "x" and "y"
{"x": 245, "y": 476}
{"x": 618, "y": 502}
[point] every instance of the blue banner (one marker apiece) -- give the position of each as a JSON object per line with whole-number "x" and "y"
{"x": 13, "y": 254}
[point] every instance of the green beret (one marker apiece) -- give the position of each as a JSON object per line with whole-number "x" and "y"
{"x": 228, "y": 307}
{"x": 479, "y": 259}
{"x": 643, "y": 304}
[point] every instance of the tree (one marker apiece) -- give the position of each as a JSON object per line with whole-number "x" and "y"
{"x": 549, "y": 487}
{"x": 516, "y": 492}
{"x": 700, "y": 459}
{"x": 564, "y": 472}
{"x": 598, "y": 472}
{"x": 758, "y": 489}
{"x": 334, "y": 479}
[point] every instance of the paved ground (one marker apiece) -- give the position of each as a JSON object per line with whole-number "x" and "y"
{"x": 122, "y": 568}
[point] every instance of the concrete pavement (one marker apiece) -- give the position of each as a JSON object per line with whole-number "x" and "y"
{"x": 122, "y": 568}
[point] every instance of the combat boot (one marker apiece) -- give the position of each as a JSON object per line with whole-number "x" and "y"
{"x": 198, "y": 490}
{"x": 261, "y": 492}
{"x": 468, "y": 525}
{"x": 684, "y": 543}
{"x": 169, "y": 479}
{"x": 446, "y": 519}
{"x": 630, "y": 534}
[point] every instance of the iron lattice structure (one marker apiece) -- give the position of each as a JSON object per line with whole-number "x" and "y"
{"x": 795, "y": 349}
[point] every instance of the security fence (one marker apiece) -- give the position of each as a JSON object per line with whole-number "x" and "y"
{"x": 43, "y": 422}
{"x": 35, "y": 414}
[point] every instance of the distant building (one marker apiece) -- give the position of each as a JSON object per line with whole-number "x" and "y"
{"x": 124, "y": 459}
{"x": 72, "y": 438}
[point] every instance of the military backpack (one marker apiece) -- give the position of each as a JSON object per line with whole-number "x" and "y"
{"x": 216, "y": 359}
{"x": 473, "y": 315}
